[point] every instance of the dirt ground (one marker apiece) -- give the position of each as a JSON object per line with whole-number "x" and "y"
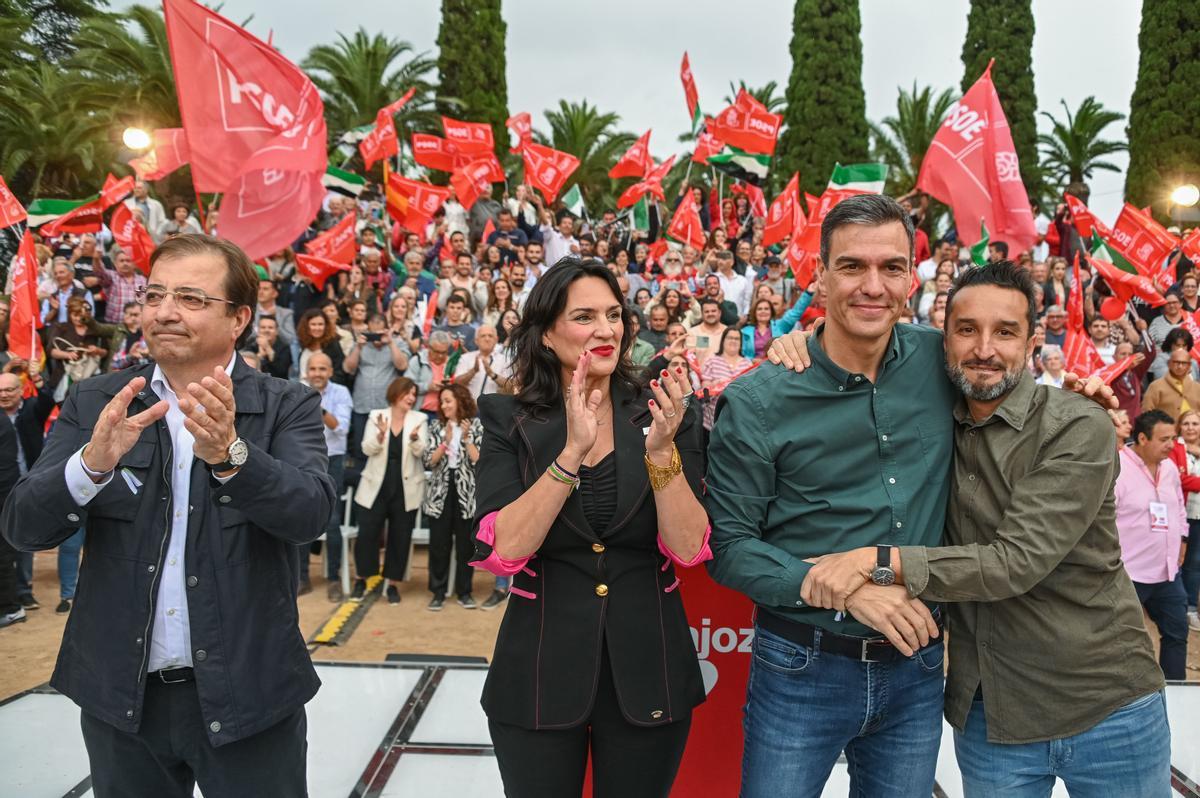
{"x": 28, "y": 650}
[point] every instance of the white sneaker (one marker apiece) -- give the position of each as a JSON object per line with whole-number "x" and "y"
{"x": 8, "y": 619}
{"x": 1194, "y": 621}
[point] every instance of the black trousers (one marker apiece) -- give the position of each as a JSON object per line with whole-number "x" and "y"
{"x": 170, "y": 753}
{"x": 388, "y": 509}
{"x": 9, "y": 601}
{"x": 1166, "y": 604}
{"x": 627, "y": 761}
{"x": 450, "y": 528}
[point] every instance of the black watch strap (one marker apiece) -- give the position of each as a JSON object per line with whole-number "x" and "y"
{"x": 883, "y": 556}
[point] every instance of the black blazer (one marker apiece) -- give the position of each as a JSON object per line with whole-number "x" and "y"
{"x": 547, "y": 659}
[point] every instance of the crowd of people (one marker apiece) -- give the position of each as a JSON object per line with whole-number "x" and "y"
{"x": 402, "y": 346}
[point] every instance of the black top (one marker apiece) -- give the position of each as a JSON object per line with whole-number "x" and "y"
{"x": 396, "y": 449}
{"x": 598, "y": 491}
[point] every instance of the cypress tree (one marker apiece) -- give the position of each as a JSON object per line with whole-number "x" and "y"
{"x": 826, "y": 115}
{"x": 471, "y": 65}
{"x": 1003, "y": 30}
{"x": 1163, "y": 147}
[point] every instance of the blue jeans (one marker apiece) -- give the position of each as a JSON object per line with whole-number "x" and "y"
{"x": 68, "y": 564}
{"x": 1166, "y": 605}
{"x": 1191, "y": 565}
{"x": 805, "y": 706}
{"x": 503, "y": 582}
{"x": 1127, "y": 753}
{"x": 333, "y": 529}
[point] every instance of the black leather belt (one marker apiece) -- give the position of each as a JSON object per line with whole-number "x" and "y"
{"x": 863, "y": 649}
{"x": 175, "y": 675}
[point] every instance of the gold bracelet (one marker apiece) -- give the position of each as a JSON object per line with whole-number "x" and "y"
{"x": 660, "y": 476}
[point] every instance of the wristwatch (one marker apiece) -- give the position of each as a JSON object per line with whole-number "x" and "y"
{"x": 883, "y": 573}
{"x": 236, "y": 457}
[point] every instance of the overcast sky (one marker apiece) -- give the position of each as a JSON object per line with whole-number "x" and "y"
{"x": 623, "y": 55}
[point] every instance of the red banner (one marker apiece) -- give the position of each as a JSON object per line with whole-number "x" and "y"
{"x": 1191, "y": 246}
{"x": 338, "y": 243}
{"x": 651, "y": 184}
{"x": 689, "y": 89}
{"x": 391, "y": 109}
{"x": 522, "y": 125}
{"x": 547, "y": 169}
{"x": 1125, "y": 285}
{"x": 1078, "y": 350}
{"x": 421, "y": 200}
{"x": 25, "y": 317}
{"x": 11, "y": 211}
{"x": 636, "y": 161}
{"x": 87, "y": 217}
{"x": 255, "y": 127}
{"x": 318, "y": 270}
{"x": 470, "y": 182}
{"x": 972, "y": 166}
{"x": 780, "y": 221}
{"x": 1111, "y": 372}
{"x": 170, "y": 152}
{"x": 706, "y": 146}
{"x": 801, "y": 253}
{"x": 758, "y": 201}
{"x": 435, "y": 152}
{"x": 747, "y": 125}
{"x": 132, "y": 237}
{"x": 468, "y": 136}
{"x": 380, "y": 142}
{"x": 1083, "y": 218}
{"x": 1142, "y": 241}
{"x": 685, "y": 224}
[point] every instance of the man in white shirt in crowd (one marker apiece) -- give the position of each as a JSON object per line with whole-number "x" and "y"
{"x": 559, "y": 242}
{"x": 336, "y": 407}
{"x": 487, "y": 369}
{"x": 153, "y": 214}
{"x": 517, "y": 277}
{"x": 738, "y": 288}
{"x": 1098, "y": 329}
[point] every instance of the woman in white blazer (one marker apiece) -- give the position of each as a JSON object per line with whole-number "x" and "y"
{"x": 391, "y": 488}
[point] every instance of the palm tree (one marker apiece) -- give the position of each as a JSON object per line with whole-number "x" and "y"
{"x": 582, "y": 130}
{"x": 360, "y": 74}
{"x": 901, "y": 141}
{"x": 49, "y": 144}
{"x": 1074, "y": 149}
{"x": 124, "y": 63}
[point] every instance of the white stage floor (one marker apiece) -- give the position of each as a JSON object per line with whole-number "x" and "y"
{"x": 385, "y": 730}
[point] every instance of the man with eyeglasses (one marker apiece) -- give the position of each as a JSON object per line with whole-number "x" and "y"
{"x": 194, "y": 478}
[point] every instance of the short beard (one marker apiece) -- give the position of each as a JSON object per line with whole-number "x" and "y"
{"x": 980, "y": 393}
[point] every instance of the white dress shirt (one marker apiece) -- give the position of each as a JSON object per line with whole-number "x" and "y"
{"x": 737, "y": 290}
{"x": 336, "y": 401}
{"x": 171, "y": 639}
{"x": 481, "y": 384}
{"x": 556, "y": 246}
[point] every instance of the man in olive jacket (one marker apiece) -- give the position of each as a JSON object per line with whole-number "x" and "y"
{"x": 194, "y": 479}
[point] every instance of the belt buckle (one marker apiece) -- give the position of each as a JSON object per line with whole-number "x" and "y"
{"x": 863, "y": 655}
{"x": 165, "y": 680}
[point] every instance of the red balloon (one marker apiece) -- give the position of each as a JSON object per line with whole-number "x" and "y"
{"x": 1112, "y": 308}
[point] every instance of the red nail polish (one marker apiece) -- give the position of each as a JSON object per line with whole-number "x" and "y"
{"x": 678, "y": 371}
{"x": 654, "y": 383}
{"x": 664, "y": 373}
{"x": 652, "y": 404}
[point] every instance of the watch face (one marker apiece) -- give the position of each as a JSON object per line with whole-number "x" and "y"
{"x": 239, "y": 452}
{"x": 883, "y": 576}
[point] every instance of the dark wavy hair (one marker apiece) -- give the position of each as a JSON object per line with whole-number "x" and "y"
{"x": 537, "y": 369}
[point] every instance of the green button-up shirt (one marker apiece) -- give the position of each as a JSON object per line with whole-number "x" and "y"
{"x": 801, "y": 465}
{"x": 1041, "y": 611}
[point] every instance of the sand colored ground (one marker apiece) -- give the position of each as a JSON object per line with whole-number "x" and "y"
{"x": 28, "y": 650}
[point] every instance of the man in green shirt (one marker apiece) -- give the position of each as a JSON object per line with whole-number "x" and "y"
{"x": 855, "y": 451}
{"x": 1052, "y": 674}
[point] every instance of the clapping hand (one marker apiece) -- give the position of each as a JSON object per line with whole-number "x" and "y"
{"x": 666, "y": 411}
{"x": 381, "y": 426}
{"x": 582, "y": 423}
{"x": 209, "y": 414}
{"x": 115, "y": 433}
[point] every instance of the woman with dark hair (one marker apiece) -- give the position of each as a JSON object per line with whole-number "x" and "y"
{"x": 76, "y": 347}
{"x": 764, "y": 327}
{"x": 500, "y": 299}
{"x": 450, "y": 456}
{"x": 588, "y": 495}
{"x": 314, "y": 333}
{"x": 718, "y": 369}
{"x": 509, "y": 320}
{"x": 391, "y": 488}
{"x": 181, "y": 222}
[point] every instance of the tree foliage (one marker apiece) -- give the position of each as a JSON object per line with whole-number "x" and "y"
{"x": 825, "y": 120}
{"x": 1164, "y": 149}
{"x": 52, "y": 24}
{"x": 1073, "y": 149}
{"x": 471, "y": 64}
{"x": 901, "y": 141}
{"x": 1003, "y": 30}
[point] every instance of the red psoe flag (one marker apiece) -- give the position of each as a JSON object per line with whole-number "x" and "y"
{"x": 1191, "y": 245}
{"x": 86, "y": 217}
{"x": 255, "y": 127}
{"x": 685, "y": 224}
{"x": 1079, "y": 352}
{"x": 24, "y": 316}
{"x": 651, "y": 184}
{"x": 422, "y": 200}
{"x": 800, "y": 254}
{"x": 170, "y": 152}
{"x": 780, "y": 222}
{"x": 972, "y": 166}
{"x": 522, "y": 125}
{"x": 689, "y": 90}
{"x": 1111, "y": 372}
{"x": 11, "y": 210}
{"x": 636, "y": 161}
{"x": 132, "y": 237}
{"x": 469, "y": 136}
{"x": 380, "y": 142}
{"x": 337, "y": 243}
{"x": 547, "y": 169}
{"x": 1144, "y": 242}
{"x": 706, "y": 146}
{"x": 1083, "y": 218}
{"x": 758, "y": 201}
{"x": 471, "y": 182}
{"x": 747, "y": 125}
{"x": 318, "y": 270}
{"x": 435, "y": 152}
{"x": 1125, "y": 285}
{"x": 393, "y": 108}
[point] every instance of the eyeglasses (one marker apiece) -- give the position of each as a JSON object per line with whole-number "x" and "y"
{"x": 187, "y": 298}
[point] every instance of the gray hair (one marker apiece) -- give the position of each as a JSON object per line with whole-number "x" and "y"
{"x": 866, "y": 209}
{"x": 440, "y": 337}
{"x": 1051, "y": 350}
